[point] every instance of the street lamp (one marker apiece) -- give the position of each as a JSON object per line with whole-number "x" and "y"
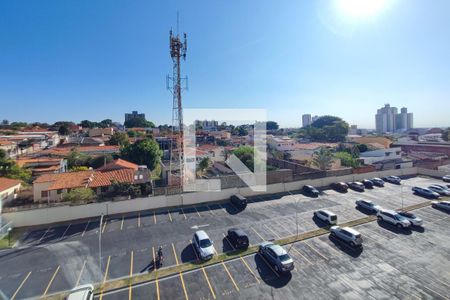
{"x": 9, "y": 236}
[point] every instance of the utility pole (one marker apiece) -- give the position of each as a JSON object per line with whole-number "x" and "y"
{"x": 178, "y": 51}
{"x": 100, "y": 246}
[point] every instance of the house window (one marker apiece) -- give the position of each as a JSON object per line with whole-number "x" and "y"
{"x": 59, "y": 192}
{"x": 104, "y": 189}
{"x": 44, "y": 194}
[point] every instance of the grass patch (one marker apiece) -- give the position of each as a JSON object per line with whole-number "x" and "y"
{"x": 16, "y": 233}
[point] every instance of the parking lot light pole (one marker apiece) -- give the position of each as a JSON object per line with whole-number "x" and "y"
{"x": 100, "y": 246}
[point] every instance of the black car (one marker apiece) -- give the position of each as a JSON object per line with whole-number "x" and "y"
{"x": 377, "y": 181}
{"x": 367, "y": 183}
{"x": 239, "y": 201}
{"x": 238, "y": 238}
{"x": 356, "y": 185}
{"x": 340, "y": 186}
{"x": 310, "y": 190}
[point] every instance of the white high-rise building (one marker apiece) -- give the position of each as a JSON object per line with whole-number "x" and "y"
{"x": 306, "y": 120}
{"x": 388, "y": 119}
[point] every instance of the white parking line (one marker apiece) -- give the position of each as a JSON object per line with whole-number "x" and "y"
{"x": 65, "y": 231}
{"x": 45, "y": 233}
{"x": 87, "y": 224}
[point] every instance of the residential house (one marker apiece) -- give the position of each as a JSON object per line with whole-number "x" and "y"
{"x": 43, "y": 165}
{"x": 9, "y": 189}
{"x": 53, "y": 187}
{"x": 101, "y": 132}
{"x": 281, "y": 143}
{"x": 11, "y": 149}
{"x": 118, "y": 164}
{"x": 386, "y": 159}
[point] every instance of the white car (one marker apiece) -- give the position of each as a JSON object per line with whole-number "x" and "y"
{"x": 446, "y": 178}
{"x": 393, "y": 217}
{"x": 203, "y": 245}
{"x": 82, "y": 292}
{"x": 367, "y": 204}
{"x": 440, "y": 189}
{"x": 441, "y": 204}
{"x": 326, "y": 216}
{"x": 348, "y": 235}
{"x": 412, "y": 218}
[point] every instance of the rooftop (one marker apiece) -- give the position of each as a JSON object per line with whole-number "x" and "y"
{"x": 7, "y": 183}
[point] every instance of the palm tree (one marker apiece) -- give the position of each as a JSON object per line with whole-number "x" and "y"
{"x": 323, "y": 159}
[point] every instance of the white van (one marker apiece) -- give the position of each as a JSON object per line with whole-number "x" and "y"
{"x": 82, "y": 292}
{"x": 326, "y": 216}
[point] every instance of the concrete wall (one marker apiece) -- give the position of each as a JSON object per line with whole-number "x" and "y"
{"x": 66, "y": 213}
{"x": 433, "y": 173}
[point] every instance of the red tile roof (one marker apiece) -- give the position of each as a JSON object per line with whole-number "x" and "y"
{"x": 86, "y": 179}
{"x": 107, "y": 178}
{"x": 6, "y": 183}
{"x": 118, "y": 164}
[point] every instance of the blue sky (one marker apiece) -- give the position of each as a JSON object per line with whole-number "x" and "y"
{"x": 74, "y": 60}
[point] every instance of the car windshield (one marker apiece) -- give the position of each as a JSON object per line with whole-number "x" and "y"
{"x": 284, "y": 257}
{"x": 399, "y": 217}
{"x": 205, "y": 243}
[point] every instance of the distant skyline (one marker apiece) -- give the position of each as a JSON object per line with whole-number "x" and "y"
{"x": 75, "y": 60}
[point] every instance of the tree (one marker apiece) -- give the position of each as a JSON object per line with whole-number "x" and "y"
{"x": 77, "y": 169}
{"x": 327, "y": 129}
{"x": 126, "y": 189}
{"x": 10, "y": 169}
{"x": 323, "y": 159}
{"x": 143, "y": 152}
{"x": 105, "y": 123}
{"x": 119, "y": 138}
{"x": 63, "y": 130}
{"x": 88, "y": 124}
{"x": 77, "y": 159}
{"x": 271, "y": 125}
{"x": 362, "y": 148}
{"x": 79, "y": 195}
{"x": 347, "y": 159}
{"x": 138, "y": 122}
{"x": 99, "y": 161}
{"x": 246, "y": 154}
{"x": 204, "y": 164}
{"x": 239, "y": 130}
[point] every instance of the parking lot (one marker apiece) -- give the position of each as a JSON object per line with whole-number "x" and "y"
{"x": 61, "y": 256}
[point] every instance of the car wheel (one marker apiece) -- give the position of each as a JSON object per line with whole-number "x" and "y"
{"x": 379, "y": 218}
{"x": 333, "y": 234}
{"x": 352, "y": 244}
{"x": 433, "y": 205}
{"x": 399, "y": 226}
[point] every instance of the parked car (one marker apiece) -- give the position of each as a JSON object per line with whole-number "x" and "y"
{"x": 440, "y": 189}
{"x": 367, "y": 183}
{"x": 424, "y": 192}
{"x": 203, "y": 245}
{"x": 310, "y": 190}
{"x": 393, "y": 217}
{"x": 392, "y": 179}
{"x": 276, "y": 256}
{"x": 339, "y": 186}
{"x": 367, "y": 204}
{"x": 238, "y": 238}
{"x": 326, "y": 216}
{"x": 348, "y": 235}
{"x": 356, "y": 185}
{"x": 412, "y": 218}
{"x": 446, "y": 178}
{"x": 239, "y": 201}
{"x": 441, "y": 204}
{"x": 378, "y": 181}
{"x": 82, "y": 292}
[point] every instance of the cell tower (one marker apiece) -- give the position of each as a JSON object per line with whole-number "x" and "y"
{"x": 178, "y": 50}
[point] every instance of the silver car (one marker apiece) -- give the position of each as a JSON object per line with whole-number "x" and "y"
{"x": 393, "y": 217}
{"x": 347, "y": 234}
{"x": 276, "y": 256}
{"x": 441, "y": 204}
{"x": 203, "y": 245}
{"x": 412, "y": 218}
{"x": 440, "y": 189}
{"x": 367, "y": 204}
